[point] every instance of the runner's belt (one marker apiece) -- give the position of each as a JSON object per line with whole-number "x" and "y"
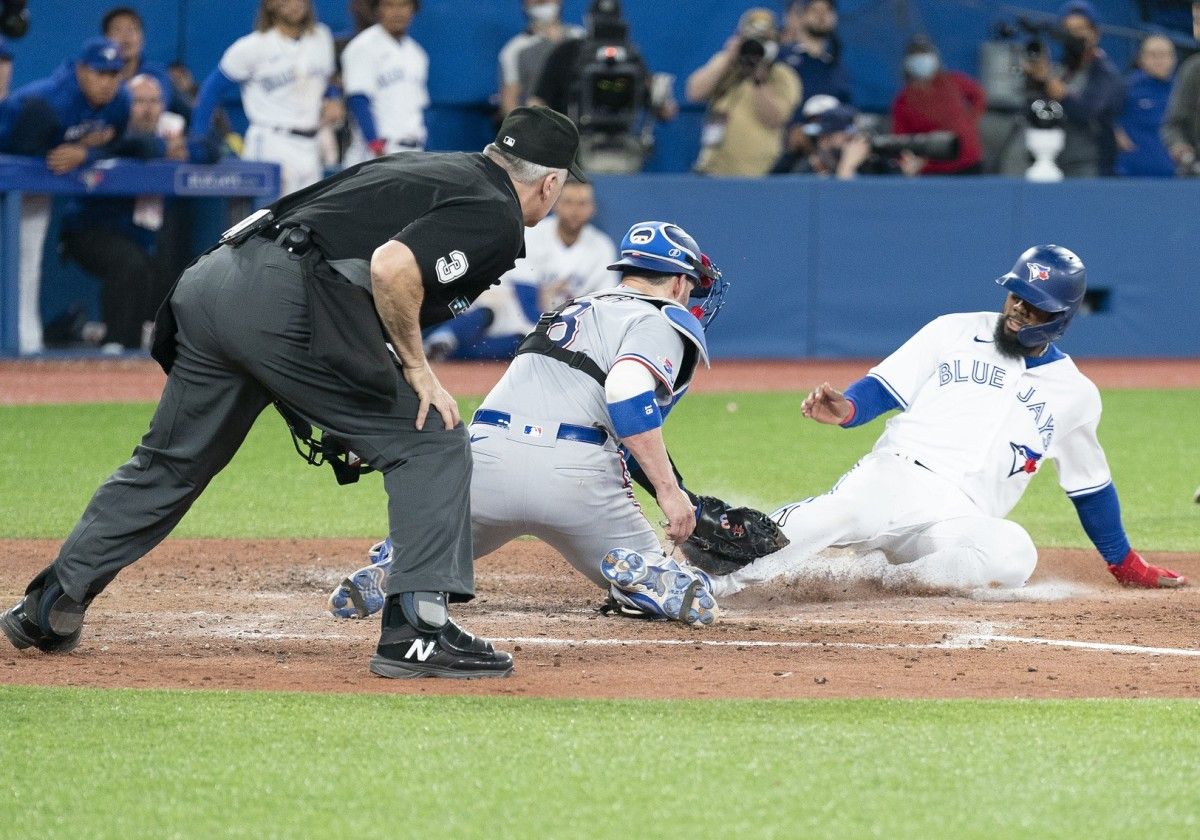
{"x": 566, "y": 431}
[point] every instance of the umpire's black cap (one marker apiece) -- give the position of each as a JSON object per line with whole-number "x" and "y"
{"x": 543, "y": 136}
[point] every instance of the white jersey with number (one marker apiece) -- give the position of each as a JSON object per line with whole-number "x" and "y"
{"x": 283, "y": 79}
{"x": 608, "y": 327}
{"x": 988, "y": 422}
{"x": 393, "y": 73}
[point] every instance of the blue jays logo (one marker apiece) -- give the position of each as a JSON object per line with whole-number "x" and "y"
{"x": 1025, "y": 460}
{"x": 1038, "y": 272}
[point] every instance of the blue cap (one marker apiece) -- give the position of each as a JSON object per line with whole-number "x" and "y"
{"x": 101, "y": 54}
{"x": 1080, "y": 7}
{"x": 5, "y": 51}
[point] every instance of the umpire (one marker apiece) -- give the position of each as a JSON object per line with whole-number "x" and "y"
{"x": 296, "y": 305}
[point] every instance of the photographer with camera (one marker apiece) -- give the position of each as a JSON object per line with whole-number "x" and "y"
{"x": 1091, "y": 91}
{"x": 750, "y": 96}
{"x": 936, "y": 99}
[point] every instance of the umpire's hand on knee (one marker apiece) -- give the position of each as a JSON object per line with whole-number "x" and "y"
{"x": 431, "y": 393}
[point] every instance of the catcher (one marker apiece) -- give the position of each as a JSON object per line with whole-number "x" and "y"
{"x": 578, "y": 412}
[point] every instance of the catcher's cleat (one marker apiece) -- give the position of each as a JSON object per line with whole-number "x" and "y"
{"x": 420, "y": 640}
{"x": 361, "y": 595}
{"x": 667, "y": 590}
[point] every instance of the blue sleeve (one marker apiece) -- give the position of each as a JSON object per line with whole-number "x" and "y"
{"x": 360, "y": 107}
{"x": 215, "y": 88}
{"x": 635, "y": 415}
{"x": 870, "y": 399}
{"x": 1100, "y": 515}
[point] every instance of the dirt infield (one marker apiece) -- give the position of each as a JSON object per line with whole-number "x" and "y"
{"x": 140, "y": 380}
{"x": 249, "y": 614}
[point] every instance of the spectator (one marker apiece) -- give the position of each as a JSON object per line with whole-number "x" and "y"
{"x": 113, "y": 238}
{"x": 123, "y": 26}
{"x": 1142, "y": 153}
{"x": 6, "y": 59}
{"x": 385, "y": 73}
{"x": 936, "y": 99}
{"x": 811, "y": 48}
{"x": 69, "y": 119}
{"x": 565, "y": 257}
{"x": 1181, "y": 130}
{"x": 184, "y": 83}
{"x": 834, "y": 146}
{"x": 524, "y": 55}
{"x": 1091, "y": 91}
{"x": 751, "y": 96}
{"x": 283, "y": 70}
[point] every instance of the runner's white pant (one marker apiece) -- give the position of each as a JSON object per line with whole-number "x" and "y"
{"x": 932, "y": 533}
{"x": 299, "y": 158}
{"x": 574, "y": 496}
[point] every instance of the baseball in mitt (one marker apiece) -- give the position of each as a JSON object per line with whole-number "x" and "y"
{"x": 728, "y": 538}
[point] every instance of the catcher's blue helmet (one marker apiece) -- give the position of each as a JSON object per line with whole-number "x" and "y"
{"x": 1053, "y": 279}
{"x": 666, "y": 248}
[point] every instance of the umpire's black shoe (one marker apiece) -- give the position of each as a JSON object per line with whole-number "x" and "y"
{"x": 46, "y": 618}
{"x": 420, "y": 640}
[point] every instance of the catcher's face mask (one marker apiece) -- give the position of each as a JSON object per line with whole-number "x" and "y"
{"x": 710, "y": 290}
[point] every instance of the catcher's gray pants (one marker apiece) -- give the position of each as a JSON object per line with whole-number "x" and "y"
{"x": 242, "y": 339}
{"x": 575, "y": 496}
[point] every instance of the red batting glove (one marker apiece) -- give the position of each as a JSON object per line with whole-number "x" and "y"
{"x": 1134, "y": 571}
{"x": 377, "y": 146}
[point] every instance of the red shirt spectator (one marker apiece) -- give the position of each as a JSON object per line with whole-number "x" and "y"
{"x": 944, "y": 101}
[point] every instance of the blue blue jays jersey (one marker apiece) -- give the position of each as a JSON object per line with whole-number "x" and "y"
{"x": 49, "y": 112}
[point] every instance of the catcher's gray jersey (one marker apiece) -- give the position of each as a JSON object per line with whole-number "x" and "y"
{"x": 537, "y": 470}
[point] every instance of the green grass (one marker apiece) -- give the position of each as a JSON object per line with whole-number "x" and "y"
{"x": 201, "y": 764}
{"x": 762, "y": 453}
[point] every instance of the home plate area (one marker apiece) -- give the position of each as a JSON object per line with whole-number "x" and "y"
{"x": 250, "y": 614}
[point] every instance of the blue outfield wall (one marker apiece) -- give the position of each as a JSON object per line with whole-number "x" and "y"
{"x": 851, "y": 269}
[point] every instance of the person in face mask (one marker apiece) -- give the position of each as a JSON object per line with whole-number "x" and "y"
{"x": 1091, "y": 91}
{"x": 937, "y": 99}
{"x": 523, "y": 56}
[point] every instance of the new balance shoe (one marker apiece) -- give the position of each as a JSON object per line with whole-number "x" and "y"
{"x": 670, "y": 590}
{"x": 361, "y": 594}
{"x": 420, "y": 640}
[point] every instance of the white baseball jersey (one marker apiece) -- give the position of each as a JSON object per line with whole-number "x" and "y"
{"x": 528, "y": 479}
{"x": 283, "y": 79}
{"x": 974, "y": 427}
{"x": 393, "y": 73}
{"x": 986, "y": 421}
{"x": 583, "y": 265}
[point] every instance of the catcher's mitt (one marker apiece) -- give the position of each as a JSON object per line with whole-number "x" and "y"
{"x": 728, "y": 538}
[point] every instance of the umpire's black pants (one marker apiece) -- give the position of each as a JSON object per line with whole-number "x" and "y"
{"x": 243, "y": 330}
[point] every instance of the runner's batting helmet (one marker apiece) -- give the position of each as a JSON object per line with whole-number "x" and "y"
{"x": 666, "y": 248}
{"x": 1053, "y": 279}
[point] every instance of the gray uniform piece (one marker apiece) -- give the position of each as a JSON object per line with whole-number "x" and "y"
{"x": 242, "y": 329}
{"x": 575, "y": 496}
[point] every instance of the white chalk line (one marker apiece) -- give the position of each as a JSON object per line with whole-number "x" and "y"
{"x": 969, "y": 635}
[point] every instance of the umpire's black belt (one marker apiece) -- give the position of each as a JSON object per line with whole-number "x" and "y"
{"x": 566, "y": 431}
